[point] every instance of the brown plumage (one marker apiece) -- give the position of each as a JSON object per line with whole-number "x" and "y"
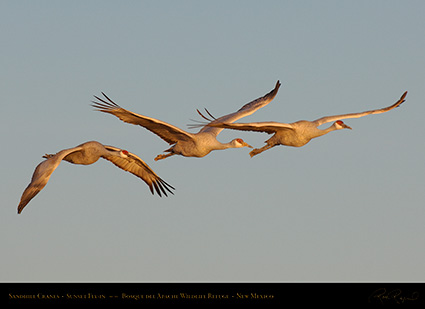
{"x": 298, "y": 133}
{"x": 89, "y": 153}
{"x": 184, "y": 143}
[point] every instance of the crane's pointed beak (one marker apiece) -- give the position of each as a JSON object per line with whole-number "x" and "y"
{"x": 247, "y": 145}
{"x": 347, "y": 127}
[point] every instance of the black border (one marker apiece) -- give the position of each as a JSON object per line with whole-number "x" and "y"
{"x": 216, "y": 294}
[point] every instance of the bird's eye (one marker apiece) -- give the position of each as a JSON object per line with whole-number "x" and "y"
{"x": 125, "y": 152}
{"x": 340, "y": 122}
{"x": 239, "y": 140}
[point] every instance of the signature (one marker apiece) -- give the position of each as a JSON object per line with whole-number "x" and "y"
{"x": 392, "y": 296}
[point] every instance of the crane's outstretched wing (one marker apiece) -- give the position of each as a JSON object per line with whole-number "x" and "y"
{"x": 267, "y": 127}
{"x": 323, "y": 120}
{"x": 166, "y": 131}
{"x": 245, "y": 110}
{"x": 139, "y": 168}
{"x": 41, "y": 176}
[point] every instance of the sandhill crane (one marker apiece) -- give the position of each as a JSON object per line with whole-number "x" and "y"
{"x": 184, "y": 143}
{"x": 299, "y": 133}
{"x": 89, "y": 153}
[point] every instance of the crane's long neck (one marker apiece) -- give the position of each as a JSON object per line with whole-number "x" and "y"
{"x": 222, "y": 146}
{"x": 321, "y": 132}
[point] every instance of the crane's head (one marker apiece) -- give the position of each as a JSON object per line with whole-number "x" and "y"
{"x": 239, "y": 143}
{"x": 341, "y": 125}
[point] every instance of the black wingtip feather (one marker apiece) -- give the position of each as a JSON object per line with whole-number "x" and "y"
{"x": 157, "y": 188}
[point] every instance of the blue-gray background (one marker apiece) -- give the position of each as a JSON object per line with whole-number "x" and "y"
{"x": 349, "y": 206}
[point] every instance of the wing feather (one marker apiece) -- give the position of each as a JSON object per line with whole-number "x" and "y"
{"x": 267, "y": 127}
{"x": 166, "y": 131}
{"x": 245, "y": 110}
{"x": 133, "y": 164}
{"x": 42, "y": 174}
{"x": 323, "y": 120}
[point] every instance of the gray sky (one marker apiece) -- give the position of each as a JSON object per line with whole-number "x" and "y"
{"x": 348, "y": 206}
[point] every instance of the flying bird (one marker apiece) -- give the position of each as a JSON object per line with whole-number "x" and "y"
{"x": 298, "y": 133}
{"x": 86, "y": 154}
{"x": 184, "y": 143}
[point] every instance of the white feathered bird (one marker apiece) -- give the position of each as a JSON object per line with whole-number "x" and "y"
{"x": 184, "y": 143}
{"x": 298, "y": 133}
{"x": 89, "y": 153}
